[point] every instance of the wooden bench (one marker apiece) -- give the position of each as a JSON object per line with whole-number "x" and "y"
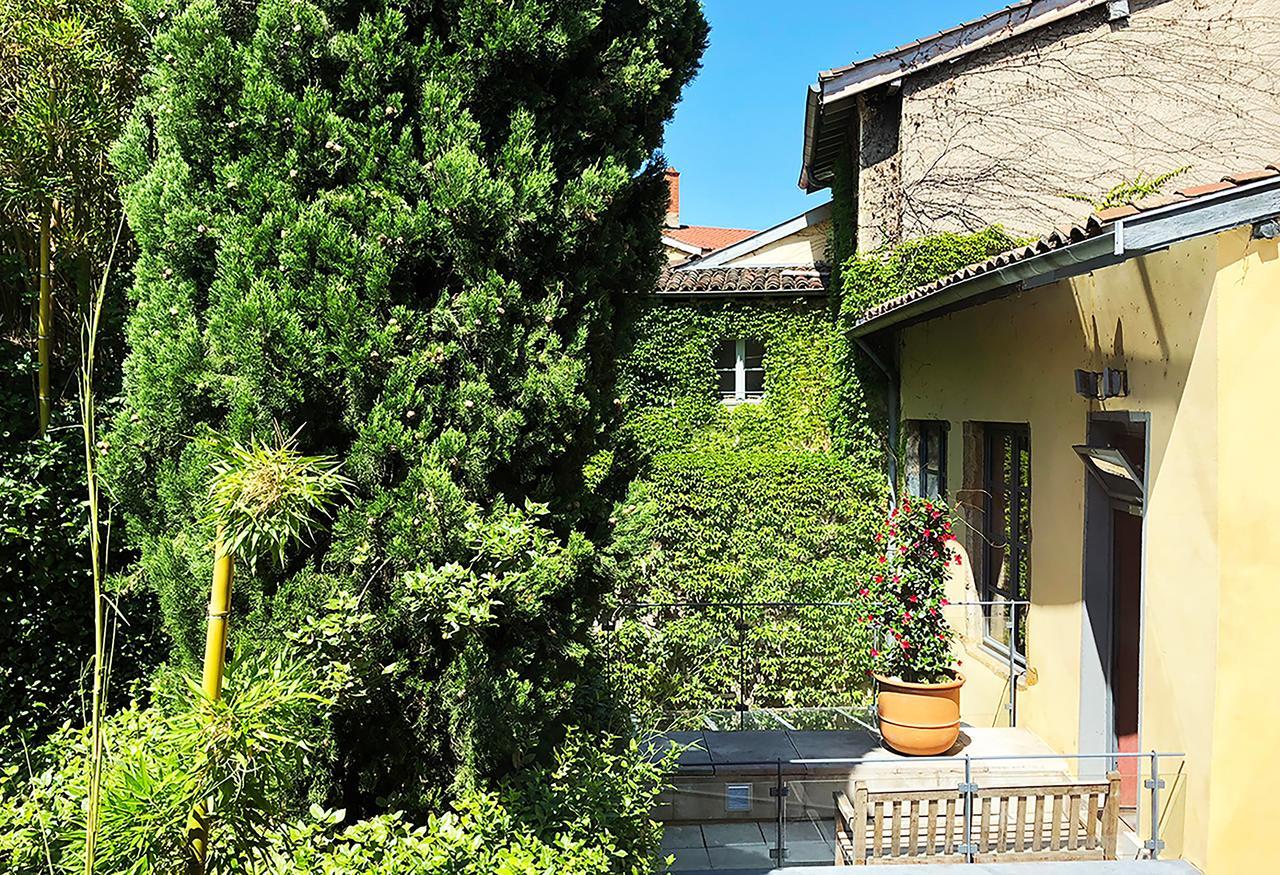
{"x": 1010, "y": 824}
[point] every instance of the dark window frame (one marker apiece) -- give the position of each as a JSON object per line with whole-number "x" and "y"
{"x": 995, "y": 436}
{"x": 923, "y": 429}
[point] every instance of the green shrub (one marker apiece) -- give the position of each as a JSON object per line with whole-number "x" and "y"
{"x": 46, "y": 602}
{"x": 405, "y": 229}
{"x": 586, "y": 814}
{"x": 251, "y": 753}
{"x": 744, "y": 526}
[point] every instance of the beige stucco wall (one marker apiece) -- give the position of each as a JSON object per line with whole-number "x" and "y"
{"x": 1081, "y": 105}
{"x": 1012, "y": 361}
{"x": 806, "y": 247}
{"x": 675, "y": 256}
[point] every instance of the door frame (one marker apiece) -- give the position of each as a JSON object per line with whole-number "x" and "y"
{"x": 1097, "y": 707}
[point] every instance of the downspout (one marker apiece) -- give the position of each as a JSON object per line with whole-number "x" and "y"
{"x": 893, "y": 403}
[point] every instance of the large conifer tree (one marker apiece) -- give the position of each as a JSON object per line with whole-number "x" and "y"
{"x": 401, "y": 226}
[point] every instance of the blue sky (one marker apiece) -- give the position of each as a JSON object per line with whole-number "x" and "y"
{"x": 737, "y": 133}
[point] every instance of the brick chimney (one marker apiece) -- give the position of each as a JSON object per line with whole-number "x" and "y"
{"x": 673, "y": 197}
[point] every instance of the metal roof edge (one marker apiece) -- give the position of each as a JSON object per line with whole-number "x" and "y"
{"x": 1134, "y": 235}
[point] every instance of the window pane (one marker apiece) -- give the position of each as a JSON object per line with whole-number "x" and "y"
{"x": 932, "y": 486}
{"x": 755, "y": 382}
{"x": 1008, "y": 523}
{"x": 727, "y": 380}
{"x": 726, "y": 355}
{"x": 754, "y": 354}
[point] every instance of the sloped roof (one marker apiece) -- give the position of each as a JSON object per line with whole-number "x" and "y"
{"x": 827, "y": 112}
{"x": 1067, "y": 235}
{"x": 706, "y": 237}
{"x": 730, "y": 280}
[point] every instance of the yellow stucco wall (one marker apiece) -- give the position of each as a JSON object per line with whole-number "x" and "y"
{"x": 1012, "y": 360}
{"x": 1246, "y": 765}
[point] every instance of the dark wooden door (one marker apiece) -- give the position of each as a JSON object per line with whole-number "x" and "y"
{"x": 1126, "y": 619}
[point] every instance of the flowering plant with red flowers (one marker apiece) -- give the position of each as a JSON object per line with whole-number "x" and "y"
{"x": 907, "y": 593}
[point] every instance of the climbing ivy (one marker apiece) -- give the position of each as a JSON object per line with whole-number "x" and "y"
{"x": 858, "y": 415}
{"x": 736, "y": 504}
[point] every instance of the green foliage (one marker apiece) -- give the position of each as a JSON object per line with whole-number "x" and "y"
{"x": 735, "y": 504}
{"x": 585, "y": 811}
{"x": 754, "y": 526}
{"x": 907, "y": 592}
{"x": 267, "y": 495}
{"x": 874, "y": 277}
{"x": 406, "y": 227}
{"x": 249, "y": 752}
{"x": 68, "y": 74}
{"x": 1127, "y": 190}
{"x": 586, "y": 814}
{"x": 858, "y": 423}
{"x": 667, "y": 380}
{"x": 46, "y": 606}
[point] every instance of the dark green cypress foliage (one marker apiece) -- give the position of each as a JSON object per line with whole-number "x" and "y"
{"x": 404, "y": 228}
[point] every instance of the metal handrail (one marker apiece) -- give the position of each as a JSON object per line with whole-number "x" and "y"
{"x": 968, "y": 788}
{"x": 1012, "y": 604}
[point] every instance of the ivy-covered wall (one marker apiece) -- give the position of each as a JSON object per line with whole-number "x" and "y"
{"x": 737, "y": 504}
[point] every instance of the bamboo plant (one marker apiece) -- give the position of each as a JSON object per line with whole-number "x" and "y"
{"x": 263, "y": 498}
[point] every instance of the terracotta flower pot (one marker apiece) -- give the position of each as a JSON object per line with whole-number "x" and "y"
{"x": 919, "y": 719}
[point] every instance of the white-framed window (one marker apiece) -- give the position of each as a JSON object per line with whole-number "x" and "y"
{"x": 740, "y": 370}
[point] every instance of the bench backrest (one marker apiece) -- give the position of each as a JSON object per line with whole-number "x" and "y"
{"x": 1010, "y": 824}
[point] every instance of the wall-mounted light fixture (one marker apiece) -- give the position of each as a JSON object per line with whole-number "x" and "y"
{"x": 1110, "y": 383}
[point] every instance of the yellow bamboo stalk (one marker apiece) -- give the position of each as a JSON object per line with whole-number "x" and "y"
{"x": 215, "y": 655}
{"x": 44, "y": 319}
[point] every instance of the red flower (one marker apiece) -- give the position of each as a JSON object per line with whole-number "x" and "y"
{"x": 883, "y": 559}
{"x": 958, "y": 562}
{"x": 864, "y": 592}
{"x": 879, "y": 578}
{"x": 947, "y": 526}
{"x": 874, "y": 653}
{"x": 913, "y": 599}
{"x": 902, "y": 549}
{"x": 905, "y": 644}
{"x": 928, "y": 505}
{"x": 933, "y": 612}
{"x": 879, "y": 537}
{"x": 897, "y": 578}
{"x": 942, "y": 637}
{"x": 944, "y": 603}
{"x": 935, "y": 554}
{"x": 906, "y": 615}
{"x": 935, "y": 515}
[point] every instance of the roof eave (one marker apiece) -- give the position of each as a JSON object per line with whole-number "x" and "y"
{"x": 1057, "y": 264}
{"x": 1129, "y": 236}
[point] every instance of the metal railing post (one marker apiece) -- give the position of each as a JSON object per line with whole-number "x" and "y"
{"x": 1013, "y": 678}
{"x": 780, "y": 793}
{"x": 1154, "y": 784}
{"x": 968, "y": 788}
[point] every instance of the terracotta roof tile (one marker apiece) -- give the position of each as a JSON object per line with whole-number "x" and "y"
{"x": 1250, "y": 176}
{"x": 706, "y": 237}
{"x": 1207, "y": 188}
{"x": 743, "y": 279}
{"x": 1112, "y": 213}
{"x": 1067, "y": 235}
